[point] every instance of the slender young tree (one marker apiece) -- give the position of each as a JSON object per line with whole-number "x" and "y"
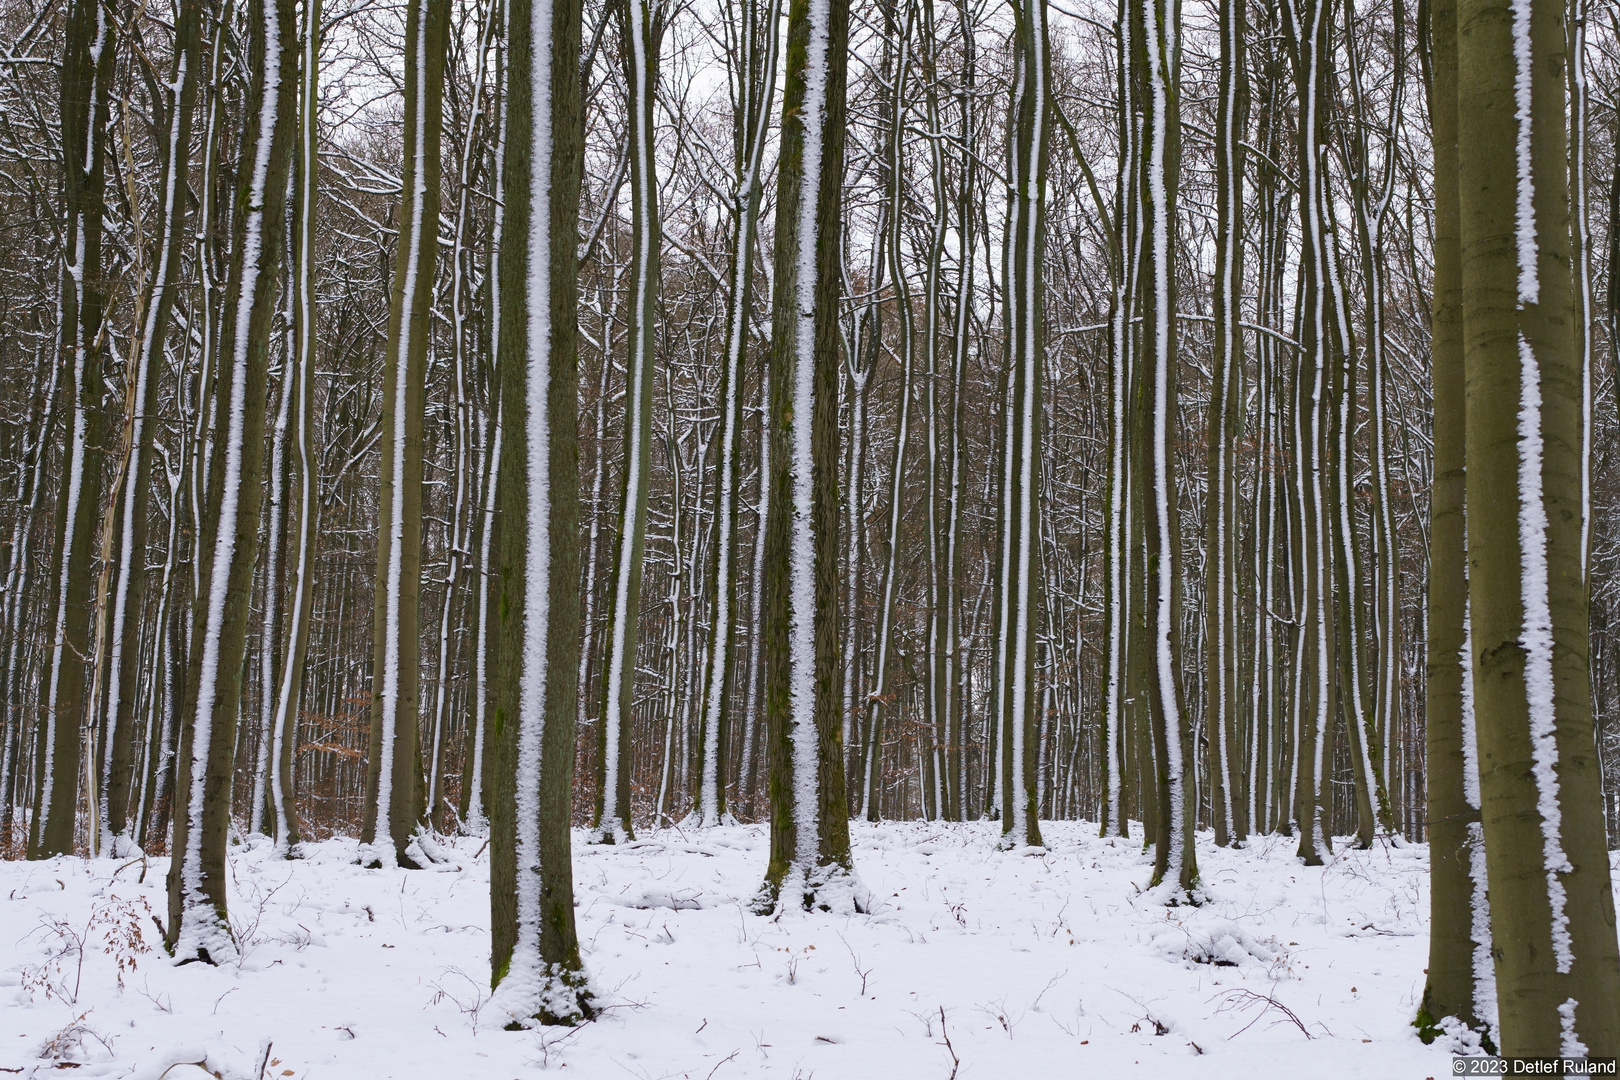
{"x": 121, "y": 652}
{"x": 940, "y": 412}
{"x": 753, "y": 41}
{"x": 1155, "y": 38}
{"x": 1018, "y": 596}
{"x": 1120, "y": 525}
{"x": 274, "y": 540}
{"x": 199, "y": 924}
{"x": 1372, "y": 187}
{"x": 1581, "y": 252}
{"x": 641, "y": 31}
{"x": 1221, "y": 600}
{"x": 476, "y": 776}
{"x": 949, "y": 600}
{"x": 535, "y": 966}
{"x": 303, "y": 511}
{"x": 87, "y": 69}
{"x": 1308, "y": 33}
{"x": 898, "y": 29}
{"x": 396, "y": 796}
{"x": 810, "y": 865}
{"x": 1355, "y": 698}
{"x": 1551, "y": 903}
{"x": 1459, "y": 928}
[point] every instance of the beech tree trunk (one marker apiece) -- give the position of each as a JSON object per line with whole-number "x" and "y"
{"x": 228, "y": 538}
{"x": 1551, "y": 902}
{"x": 810, "y": 864}
{"x": 535, "y": 965}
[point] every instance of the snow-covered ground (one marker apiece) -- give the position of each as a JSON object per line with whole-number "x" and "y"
{"x": 1047, "y": 965}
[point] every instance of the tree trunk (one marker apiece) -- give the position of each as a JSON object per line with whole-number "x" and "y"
{"x": 641, "y": 32}
{"x": 757, "y": 40}
{"x": 396, "y": 799}
{"x": 1456, "y": 980}
{"x": 1309, "y": 37}
{"x": 898, "y": 31}
{"x": 227, "y": 546}
{"x": 810, "y": 864}
{"x": 535, "y": 963}
{"x": 1221, "y": 599}
{"x": 87, "y": 69}
{"x": 1154, "y": 34}
{"x": 1552, "y": 909}
{"x": 1017, "y": 580}
{"x": 304, "y": 513}
{"x": 122, "y": 654}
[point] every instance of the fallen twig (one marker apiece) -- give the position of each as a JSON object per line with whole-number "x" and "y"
{"x": 956, "y": 1062}
{"x": 1241, "y": 998}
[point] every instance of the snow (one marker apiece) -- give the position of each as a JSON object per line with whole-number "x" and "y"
{"x": 1040, "y": 963}
{"x": 1524, "y": 225}
{"x": 1537, "y": 641}
{"x": 1479, "y": 903}
{"x": 1572, "y": 1045}
{"x": 802, "y": 554}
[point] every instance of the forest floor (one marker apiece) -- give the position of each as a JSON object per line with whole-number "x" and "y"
{"x": 1032, "y": 965}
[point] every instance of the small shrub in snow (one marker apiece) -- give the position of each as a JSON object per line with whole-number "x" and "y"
{"x": 120, "y": 925}
{"x": 1224, "y": 945}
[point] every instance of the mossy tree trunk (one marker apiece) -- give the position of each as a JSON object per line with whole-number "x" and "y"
{"x": 535, "y": 965}
{"x": 810, "y": 864}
